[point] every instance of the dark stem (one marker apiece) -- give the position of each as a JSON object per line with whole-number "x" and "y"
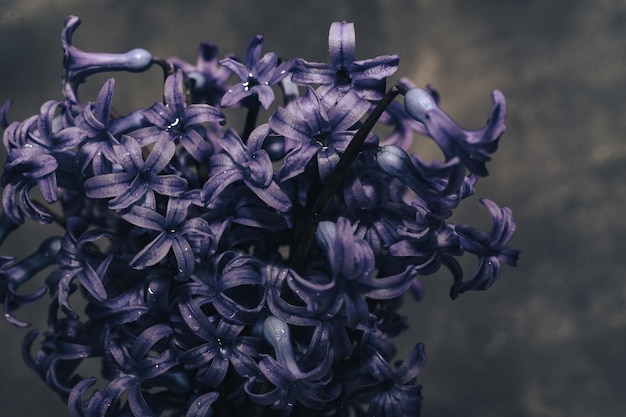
{"x": 305, "y": 228}
{"x": 251, "y": 117}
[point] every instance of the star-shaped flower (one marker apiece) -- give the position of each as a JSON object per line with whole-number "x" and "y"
{"x": 140, "y": 178}
{"x": 343, "y": 74}
{"x": 185, "y": 237}
{"x": 257, "y": 76}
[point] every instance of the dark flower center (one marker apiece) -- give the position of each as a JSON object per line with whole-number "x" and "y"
{"x": 250, "y": 82}
{"x": 342, "y": 77}
{"x": 177, "y": 126}
{"x": 321, "y": 138}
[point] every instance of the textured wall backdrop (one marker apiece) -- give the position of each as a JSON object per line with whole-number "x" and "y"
{"x": 548, "y": 340}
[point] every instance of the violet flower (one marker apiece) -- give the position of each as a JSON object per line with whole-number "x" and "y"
{"x": 26, "y": 168}
{"x": 473, "y": 148}
{"x": 187, "y": 238}
{"x": 257, "y": 76}
{"x": 392, "y": 392}
{"x": 94, "y": 120}
{"x": 490, "y": 248}
{"x": 14, "y": 274}
{"x": 140, "y": 179}
{"x": 79, "y": 262}
{"x": 177, "y": 120}
{"x": 343, "y": 74}
{"x": 319, "y": 131}
{"x": 233, "y": 286}
{"x": 207, "y": 76}
{"x": 259, "y": 267}
{"x": 250, "y": 164}
{"x": 214, "y": 347}
{"x": 311, "y": 386}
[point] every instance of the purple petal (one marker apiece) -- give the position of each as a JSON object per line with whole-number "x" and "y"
{"x": 144, "y": 218}
{"x": 134, "y": 192}
{"x": 235, "y": 94}
{"x": 254, "y": 51}
{"x": 235, "y": 66}
{"x": 102, "y": 107}
{"x": 92, "y": 282}
{"x": 160, "y": 155}
{"x": 202, "y": 405}
{"x": 374, "y": 69}
{"x": 129, "y": 154}
{"x": 307, "y": 73}
{"x": 170, "y": 185}
{"x": 174, "y": 92}
{"x": 197, "y": 146}
{"x": 289, "y": 125}
{"x": 137, "y": 402}
{"x": 202, "y": 113}
{"x": 341, "y": 44}
{"x": 265, "y": 95}
{"x": 348, "y": 110}
{"x": 153, "y": 253}
{"x": 185, "y": 259}
{"x": 108, "y": 185}
{"x": 147, "y": 339}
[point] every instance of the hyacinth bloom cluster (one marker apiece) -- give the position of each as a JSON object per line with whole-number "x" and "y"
{"x": 211, "y": 268}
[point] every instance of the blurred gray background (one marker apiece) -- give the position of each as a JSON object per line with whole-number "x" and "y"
{"x": 548, "y": 340}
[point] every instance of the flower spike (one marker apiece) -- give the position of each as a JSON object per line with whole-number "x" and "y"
{"x": 253, "y": 263}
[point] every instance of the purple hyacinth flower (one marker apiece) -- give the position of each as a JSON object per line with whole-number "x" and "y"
{"x": 80, "y": 262}
{"x": 312, "y": 386}
{"x": 25, "y": 168}
{"x": 473, "y": 148}
{"x": 202, "y": 405}
{"x": 233, "y": 285}
{"x": 95, "y": 120}
{"x": 490, "y": 249}
{"x": 214, "y": 347}
{"x": 247, "y": 163}
{"x": 389, "y": 392}
{"x": 140, "y": 178}
{"x": 257, "y": 76}
{"x": 432, "y": 182}
{"x": 51, "y": 134}
{"x": 185, "y": 237}
{"x": 80, "y": 64}
{"x": 343, "y": 74}
{"x": 351, "y": 263}
{"x": 14, "y": 274}
{"x": 207, "y": 76}
{"x": 177, "y": 120}
{"x": 65, "y": 345}
{"x": 132, "y": 360}
{"x": 318, "y": 130}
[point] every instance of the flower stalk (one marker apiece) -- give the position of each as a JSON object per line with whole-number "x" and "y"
{"x": 257, "y": 267}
